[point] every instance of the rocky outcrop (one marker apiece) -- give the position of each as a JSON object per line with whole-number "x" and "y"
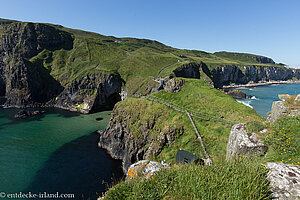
{"x": 130, "y": 146}
{"x": 174, "y": 85}
{"x": 241, "y": 142}
{"x": 92, "y": 92}
{"x": 284, "y": 181}
{"x": 285, "y": 107}
{"x": 227, "y": 75}
{"x": 27, "y": 83}
{"x": 25, "y": 113}
{"x": 237, "y": 94}
{"x": 144, "y": 167}
{"x": 190, "y": 70}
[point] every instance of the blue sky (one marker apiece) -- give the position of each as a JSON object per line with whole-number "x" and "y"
{"x": 264, "y": 27}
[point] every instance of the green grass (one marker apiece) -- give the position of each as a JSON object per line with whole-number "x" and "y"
{"x": 134, "y": 59}
{"x": 284, "y": 140}
{"x": 242, "y": 179}
{"x": 201, "y": 98}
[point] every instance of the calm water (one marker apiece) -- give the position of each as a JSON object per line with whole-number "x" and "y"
{"x": 263, "y": 96}
{"x": 54, "y": 152}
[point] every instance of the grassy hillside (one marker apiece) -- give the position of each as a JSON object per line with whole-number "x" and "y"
{"x": 236, "y": 180}
{"x": 198, "y": 97}
{"x": 135, "y": 59}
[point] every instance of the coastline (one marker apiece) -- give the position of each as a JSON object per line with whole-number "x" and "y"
{"x": 259, "y": 84}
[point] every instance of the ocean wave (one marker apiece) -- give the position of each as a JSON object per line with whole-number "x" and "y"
{"x": 246, "y": 103}
{"x": 254, "y": 97}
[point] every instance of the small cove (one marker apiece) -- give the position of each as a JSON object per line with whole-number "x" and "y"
{"x": 54, "y": 152}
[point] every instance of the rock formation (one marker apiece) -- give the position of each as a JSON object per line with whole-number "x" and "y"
{"x": 174, "y": 85}
{"x": 284, "y": 181}
{"x": 237, "y": 94}
{"x": 123, "y": 144}
{"x": 241, "y": 142}
{"x": 145, "y": 167}
{"x": 27, "y": 83}
{"x": 288, "y": 106}
{"x": 232, "y": 74}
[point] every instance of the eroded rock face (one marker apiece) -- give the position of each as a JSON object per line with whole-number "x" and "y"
{"x": 92, "y": 92}
{"x": 241, "y": 142}
{"x": 174, "y": 85}
{"x": 27, "y": 83}
{"x": 284, "y": 180}
{"x": 232, "y": 74}
{"x": 123, "y": 143}
{"x": 190, "y": 70}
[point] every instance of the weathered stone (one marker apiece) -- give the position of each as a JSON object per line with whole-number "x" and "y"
{"x": 121, "y": 143}
{"x": 237, "y": 94}
{"x": 278, "y": 110}
{"x": 242, "y": 142}
{"x": 174, "y": 85}
{"x": 284, "y": 181}
{"x": 146, "y": 167}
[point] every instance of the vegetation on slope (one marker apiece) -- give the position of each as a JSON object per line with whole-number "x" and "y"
{"x": 134, "y": 59}
{"x": 242, "y": 179}
{"x": 199, "y": 97}
{"x": 284, "y": 141}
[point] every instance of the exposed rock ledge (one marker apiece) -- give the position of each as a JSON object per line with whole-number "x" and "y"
{"x": 284, "y": 180}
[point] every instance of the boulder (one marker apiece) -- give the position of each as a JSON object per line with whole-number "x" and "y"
{"x": 297, "y": 97}
{"x": 174, "y": 85}
{"x": 284, "y": 181}
{"x": 237, "y": 94}
{"x": 146, "y": 167}
{"x": 242, "y": 142}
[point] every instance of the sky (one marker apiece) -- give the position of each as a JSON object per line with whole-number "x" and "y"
{"x": 264, "y": 27}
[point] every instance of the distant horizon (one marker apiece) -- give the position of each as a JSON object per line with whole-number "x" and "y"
{"x": 270, "y": 29}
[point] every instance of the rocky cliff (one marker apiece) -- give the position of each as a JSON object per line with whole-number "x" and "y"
{"x": 232, "y": 74}
{"x": 132, "y": 136}
{"x": 27, "y": 83}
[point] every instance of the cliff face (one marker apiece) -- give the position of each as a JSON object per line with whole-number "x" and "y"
{"x": 29, "y": 84}
{"x": 124, "y": 141}
{"x": 93, "y": 92}
{"x": 232, "y": 74}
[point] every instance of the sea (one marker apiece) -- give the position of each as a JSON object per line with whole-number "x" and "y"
{"x": 55, "y": 152}
{"x": 263, "y": 96}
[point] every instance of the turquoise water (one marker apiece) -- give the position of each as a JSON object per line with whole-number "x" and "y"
{"x": 54, "y": 152}
{"x": 263, "y": 96}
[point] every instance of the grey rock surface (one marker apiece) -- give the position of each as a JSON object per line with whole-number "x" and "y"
{"x": 146, "y": 167}
{"x": 241, "y": 142}
{"x": 284, "y": 181}
{"x": 174, "y": 85}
